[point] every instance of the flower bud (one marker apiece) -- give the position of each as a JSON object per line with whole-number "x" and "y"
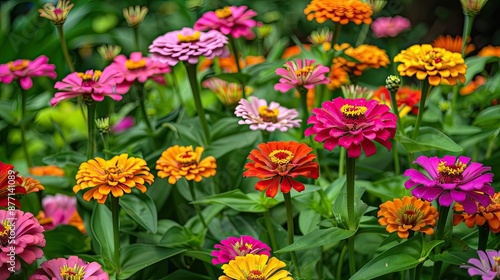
{"x": 392, "y": 83}
{"x": 56, "y": 14}
{"x": 134, "y": 15}
{"x": 108, "y": 52}
{"x": 472, "y": 7}
{"x": 103, "y": 125}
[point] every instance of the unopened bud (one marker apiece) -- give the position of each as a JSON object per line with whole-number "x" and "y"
{"x": 134, "y": 15}
{"x": 103, "y": 125}
{"x": 472, "y": 7}
{"x": 58, "y": 13}
{"x": 109, "y": 52}
{"x": 392, "y": 83}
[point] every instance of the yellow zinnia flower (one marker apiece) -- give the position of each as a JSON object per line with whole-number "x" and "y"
{"x": 437, "y": 65}
{"x": 255, "y": 267}
{"x": 341, "y": 11}
{"x": 116, "y": 176}
{"x": 179, "y": 161}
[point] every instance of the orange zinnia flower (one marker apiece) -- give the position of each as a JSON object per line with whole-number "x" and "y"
{"x": 489, "y": 215}
{"x": 341, "y": 11}
{"x": 294, "y": 50}
{"x": 407, "y": 98}
{"x": 490, "y": 51}
{"x": 409, "y": 213}
{"x": 228, "y": 64}
{"x": 116, "y": 176}
{"x": 49, "y": 170}
{"x": 473, "y": 85}
{"x": 278, "y": 164}
{"x": 452, "y": 44}
{"x": 367, "y": 56}
{"x": 31, "y": 185}
{"x": 76, "y": 221}
{"x": 179, "y": 161}
{"x": 338, "y": 77}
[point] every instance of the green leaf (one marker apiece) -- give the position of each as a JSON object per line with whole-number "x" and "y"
{"x": 429, "y": 138}
{"x": 225, "y": 145}
{"x": 65, "y": 240}
{"x": 135, "y": 257}
{"x": 185, "y": 275}
{"x": 489, "y": 117}
{"x": 208, "y": 214}
{"x": 142, "y": 209}
{"x": 65, "y": 158}
{"x": 178, "y": 236}
{"x": 476, "y": 64}
{"x": 340, "y": 205}
{"x": 102, "y": 228}
{"x": 308, "y": 220}
{"x": 318, "y": 238}
{"x": 240, "y": 201}
{"x": 203, "y": 255}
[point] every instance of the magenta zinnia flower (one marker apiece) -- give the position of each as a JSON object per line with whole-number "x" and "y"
{"x": 487, "y": 266}
{"x": 232, "y": 20}
{"x": 188, "y": 45}
{"x": 124, "y": 124}
{"x": 138, "y": 68}
{"x": 92, "y": 85}
{"x": 71, "y": 268}
{"x": 353, "y": 124}
{"x": 232, "y": 247}
{"x": 23, "y": 229}
{"x": 59, "y": 208}
{"x": 301, "y": 73}
{"x": 24, "y": 69}
{"x": 451, "y": 179}
{"x": 258, "y": 115}
{"x": 389, "y": 26}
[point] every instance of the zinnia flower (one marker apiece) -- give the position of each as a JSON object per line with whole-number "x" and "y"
{"x": 338, "y": 77}
{"x": 124, "y": 124}
{"x": 49, "y": 170}
{"x": 56, "y": 14}
{"x": 473, "y": 85}
{"x": 487, "y": 266}
{"x": 109, "y": 52}
{"x": 353, "y": 124}
{"x": 228, "y": 64}
{"x": 255, "y": 267}
{"x": 294, "y": 51}
{"x": 451, "y": 179}
{"x": 341, "y": 11}
{"x": 188, "y": 45}
{"x": 138, "y": 68}
{"x": 490, "y": 51}
{"x": 301, "y": 73}
{"x": 322, "y": 38}
{"x": 260, "y": 116}
{"x": 24, "y": 69}
{"x": 228, "y": 93}
{"x": 231, "y": 20}
{"x": 116, "y": 176}
{"x": 389, "y": 26}
{"x": 31, "y": 185}
{"x": 452, "y": 44}
{"x": 134, "y": 15}
{"x": 437, "y": 65}
{"x": 488, "y": 215}
{"x": 472, "y": 7}
{"x": 407, "y": 98}
{"x": 10, "y": 186}
{"x": 408, "y": 214}
{"x": 21, "y": 237}
{"x": 366, "y": 56}
{"x": 232, "y": 247}
{"x": 93, "y": 85}
{"x": 72, "y": 268}
{"x": 277, "y": 164}
{"x": 57, "y": 210}
{"x": 179, "y": 161}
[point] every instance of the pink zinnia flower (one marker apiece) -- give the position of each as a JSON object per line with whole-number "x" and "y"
{"x": 59, "y": 208}
{"x": 353, "y": 124}
{"x": 93, "y": 84}
{"x": 259, "y": 115}
{"x": 138, "y": 68}
{"x": 487, "y": 266}
{"x": 301, "y": 73}
{"x": 124, "y": 124}
{"x": 24, "y": 69}
{"x": 234, "y": 21}
{"x": 232, "y": 247}
{"x": 451, "y": 179}
{"x": 70, "y": 268}
{"x": 23, "y": 229}
{"x": 188, "y": 45}
{"x": 389, "y": 26}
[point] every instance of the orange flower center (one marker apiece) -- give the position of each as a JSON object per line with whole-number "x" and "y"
{"x": 72, "y": 273}
{"x": 18, "y": 65}
{"x": 256, "y": 275}
{"x": 189, "y": 38}
{"x": 5, "y": 227}
{"x": 450, "y": 173}
{"x": 268, "y": 115}
{"x": 304, "y": 71}
{"x": 433, "y": 57}
{"x": 113, "y": 173}
{"x": 186, "y": 159}
{"x": 133, "y": 65}
{"x": 281, "y": 157}
{"x": 353, "y": 114}
{"x": 223, "y": 13}
{"x": 409, "y": 215}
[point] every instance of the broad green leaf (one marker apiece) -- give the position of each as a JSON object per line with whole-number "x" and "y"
{"x": 208, "y": 214}
{"x": 317, "y": 238}
{"x": 203, "y": 255}
{"x": 240, "y": 201}
{"x": 489, "y": 117}
{"x": 65, "y": 240}
{"x": 308, "y": 220}
{"x": 65, "y": 158}
{"x": 455, "y": 257}
{"x": 476, "y": 64}
{"x": 102, "y": 228}
{"x": 235, "y": 142}
{"x": 142, "y": 209}
{"x": 340, "y": 205}
{"x": 387, "y": 188}
{"x": 135, "y": 257}
{"x": 476, "y": 139}
{"x": 429, "y": 138}
{"x": 178, "y": 236}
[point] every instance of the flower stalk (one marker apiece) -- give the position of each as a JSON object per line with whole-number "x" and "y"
{"x": 351, "y": 219}
{"x": 24, "y": 143}
{"x": 270, "y": 230}
{"x": 115, "y": 213}
{"x": 289, "y": 223}
{"x": 236, "y": 54}
{"x": 484, "y": 232}
{"x": 196, "y": 206}
{"x": 193, "y": 81}
{"x": 305, "y": 111}
{"x": 91, "y": 108}
{"x": 441, "y": 225}
{"x": 425, "y": 89}
{"x": 64, "y": 47}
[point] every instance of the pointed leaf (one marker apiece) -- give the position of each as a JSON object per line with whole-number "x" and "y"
{"x": 102, "y": 228}
{"x": 429, "y": 138}
{"x": 240, "y": 201}
{"x": 318, "y": 238}
{"x": 142, "y": 209}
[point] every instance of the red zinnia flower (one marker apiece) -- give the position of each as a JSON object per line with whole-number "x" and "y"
{"x": 278, "y": 163}
{"x": 10, "y": 186}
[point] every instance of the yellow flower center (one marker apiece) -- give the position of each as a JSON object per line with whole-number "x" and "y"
{"x": 353, "y": 114}
{"x": 497, "y": 260}
{"x": 224, "y": 12}
{"x": 189, "y": 38}
{"x": 5, "y": 227}
{"x": 249, "y": 246}
{"x": 114, "y": 173}
{"x": 450, "y": 173}
{"x": 268, "y": 115}
{"x": 409, "y": 215}
{"x": 90, "y": 77}
{"x": 18, "y": 65}
{"x": 186, "y": 159}
{"x": 304, "y": 71}
{"x": 281, "y": 157}
{"x": 256, "y": 275}
{"x": 72, "y": 273}
{"x": 133, "y": 65}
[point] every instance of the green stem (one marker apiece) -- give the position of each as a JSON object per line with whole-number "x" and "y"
{"x": 305, "y": 111}
{"x": 144, "y": 112}
{"x": 443, "y": 217}
{"x": 24, "y": 143}
{"x": 424, "y": 88}
{"x": 341, "y": 261}
{"x": 270, "y": 230}
{"x": 193, "y": 81}
{"x": 289, "y": 218}
{"x": 484, "y": 232}
{"x": 91, "y": 108}
{"x": 136, "y": 37}
{"x": 418, "y": 271}
{"x": 196, "y": 206}
{"x": 342, "y": 162}
{"x": 64, "y": 48}
{"x": 115, "y": 212}
{"x": 468, "y": 22}
{"x": 105, "y": 138}
{"x": 236, "y": 54}
{"x": 351, "y": 219}
{"x": 394, "y": 105}
{"x": 336, "y": 33}
{"x": 362, "y": 35}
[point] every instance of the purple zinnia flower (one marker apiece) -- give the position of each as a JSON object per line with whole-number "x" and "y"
{"x": 451, "y": 179}
{"x": 71, "y": 268}
{"x": 188, "y": 45}
{"x": 301, "y": 73}
{"x": 139, "y": 68}
{"x": 232, "y": 20}
{"x": 232, "y": 247}
{"x": 488, "y": 265}
{"x": 389, "y": 26}
{"x": 259, "y": 115}
{"x": 24, "y": 69}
